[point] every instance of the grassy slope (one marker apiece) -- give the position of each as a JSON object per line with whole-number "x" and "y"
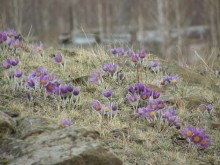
{"x": 132, "y": 139}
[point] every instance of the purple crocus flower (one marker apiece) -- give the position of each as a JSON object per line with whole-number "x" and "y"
{"x": 50, "y": 87}
{"x": 131, "y": 89}
{"x": 150, "y": 113}
{"x": 145, "y": 95}
{"x": 153, "y": 105}
{"x": 142, "y": 54}
{"x": 156, "y": 94}
{"x": 58, "y": 58}
{"x": 205, "y": 142}
{"x": 11, "y": 33}
{"x": 139, "y": 87}
{"x": 38, "y": 49}
{"x": 209, "y": 107}
{"x": 18, "y": 73}
{"x": 30, "y": 82}
{"x": 188, "y": 132}
{"x": 112, "y": 68}
{"x": 70, "y": 87}
{"x": 95, "y": 77}
{"x": 96, "y": 105}
{"x": 141, "y": 112}
{"x": 130, "y": 52}
{"x": 6, "y": 64}
{"x": 114, "y": 107}
{"x": 13, "y": 61}
{"x": 173, "y": 79}
{"x": 114, "y": 51}
{"x": 120, "y": 51}
{"x": 134, "y": 58}
{"x": 43, "y": 80}
{"x": 16, "y": 44}
{"x": 202, "y": 108}
{"x": 76, "y": 91}
{"x": 51, "y": 77}
{"x": 160, "y": 104}
{"x": 121, "y": 75}
{"x": 153, "y": 64}
{"x": 105, "y": 67}
{"x": 107, "y": 93}
{"x": 133, "y": 99}
{"x": 65, "y": 122}
{"x": 63, "y": 89}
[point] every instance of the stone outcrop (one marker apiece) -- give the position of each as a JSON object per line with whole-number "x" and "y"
{"x": 38, "y": 141}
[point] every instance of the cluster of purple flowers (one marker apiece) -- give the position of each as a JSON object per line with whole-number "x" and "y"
{"x": 135, "y": 57}
{"x": 169, "y": 79}
{"x": 196, "y": 136}
{"x": 10, "y": 39}
{"x": 42, "y": 78}
{"x": 108, "y": 69}
{"x": 156, "y": 110}
{"x": 139, "y": 91}
{"x": 106, "y": 110}
{"x": 10, "y": 65}
{"x": 203, "y": 108}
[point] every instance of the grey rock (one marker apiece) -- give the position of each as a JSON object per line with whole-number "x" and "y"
{"x": 43, "y": 142}
{"x": 7, "y": 124}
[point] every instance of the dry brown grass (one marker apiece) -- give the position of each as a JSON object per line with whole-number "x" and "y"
{"x": 133, "y": 140}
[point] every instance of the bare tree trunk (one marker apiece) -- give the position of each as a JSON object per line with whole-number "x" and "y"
{"x": 100, "y": 18}
{"x": 178, "y": 22}
{"x": 212, "y": 21}
{"x": 161, "y": 22}
{"x": 18, "y": 15}
{"x": 140, "y": 22}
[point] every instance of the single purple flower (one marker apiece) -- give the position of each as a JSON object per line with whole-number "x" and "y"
{"x": 51, "y": 77}
{"x": 30, "y": 82}
{"x": 153, "y": 64}
{"x": 18, "y": 73}
{"x": 106, "y": 109}
{"x": 114, "y": 107}
{"x": 130, "y": 52}
{"x": 150, "y": 113}
{"x": 202, "y": 108}
{"x": 153, "y": 105}
{"x": 133, "y": 99}
{"x": 131, "y": 89}
{"x": 38, "y": 49}
{"x": 134, "y": 58}
{"x": 173, "y": 79}
{"x": 95, "y": 77}
{"x": 43, "y": 80}
{"x": 156, "y": 94}
{"x": 114, "y": 51}
{"x": 139, "y": 87}
{"x": 11, "y": 33}
{"x": 58, "y": 58}
{"x": 105, "y": 67}
{"x": 141, "y": 54}
{"x": 50, "y": 87}
{"x": 70, "y": 87}
{"x": 16, "y": 44}
{"x": 141, "y": 112}
{"x": 76, "y": 91}
{"x": 96, "y": 105}
{"x": 6, "y": 64}
{"x": 188, "y": 132}
{"x": 120, "y": 51}
{"x": 112, "y": 68}
{"x": 209, "y": 107}
{"x": 63, "y": 89}
{"x": 107, "y": 93}
{"x": 160, "y": 104}
{"x": 13, "y": 61}
{"x": 121, "y": 75}
{"x": 205, "y": 142}
{"x": 145, "y": 95}
{"x": 65, "y": 122}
